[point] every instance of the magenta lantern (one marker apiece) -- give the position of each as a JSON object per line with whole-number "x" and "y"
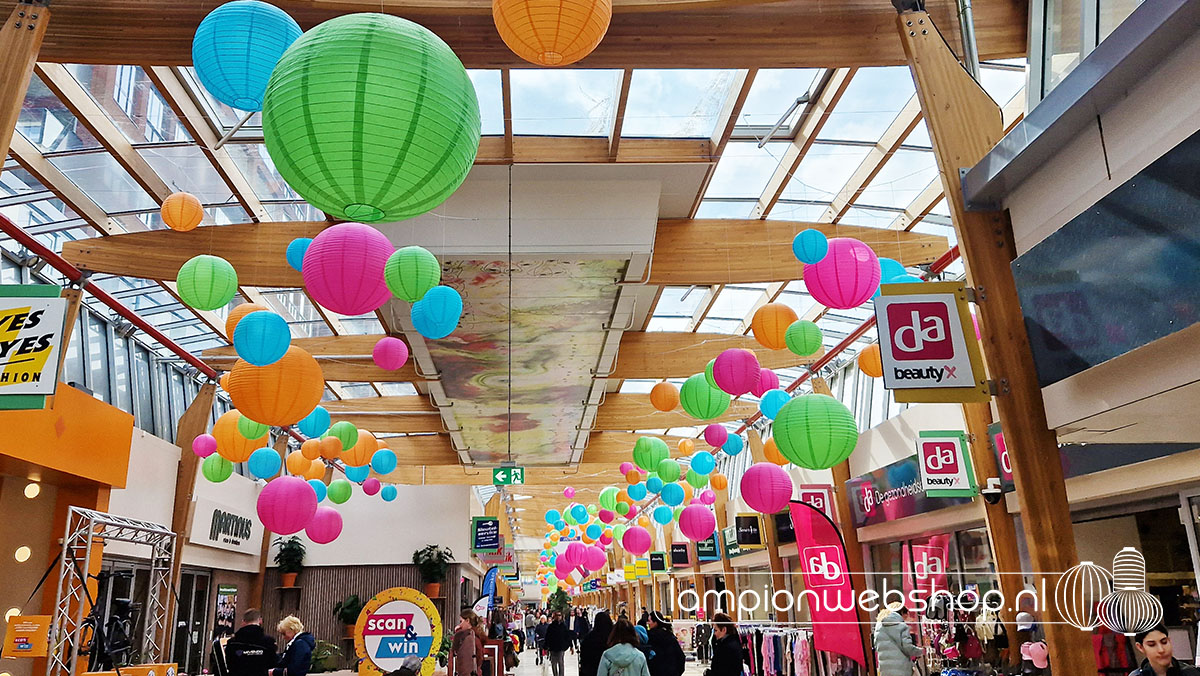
{"x": 606, "y": 539}
{"x": 568, "y": 492}
{"x": 697, "y": 522}
{"x": 286, "y": 505}
{"x": 767, "y": 381}
{"x": 325, "y": 526}
{"x": 707, "y": 496}
{"x": 715, "y": 435}
{"x": 596, "y": 558}
{"x": 626, "y": 467}
{"x": 636, "y": 540}
{"x": 371, "y": 486}
{"x": 606, "y": 515}
{"x": 736, "y": 371}
{"x": 390, "y": 353}
{"x": 576, "y": 554}
{"x": 766, "y": 487}
{"x": 343, "y": 268}
{"x": 696, "y": 501}
{"x": 847, "y": 277}
{"x": 204, "y": 445}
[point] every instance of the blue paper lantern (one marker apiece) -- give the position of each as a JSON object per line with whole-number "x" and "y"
{"x": 703, "y": 462}
{"x": 810, "y": 246}
{"x": 904, "y": 279}
{"x": 890, "y": 268}
{"x": 637, "y": 491}
{"x": 384, "y": 461}
{"x": 262, "y": 338}
{"x": 236, "y": 47}
{"x": 316, "y": 423}
{"x": 358, "y": 474}
{"x": 654, "y": 484}
{"x": 560, "y": 524}
{"x": 733, "y": 445}
{"x": 296, "y": 250}
{"x": 436, "y": 315}
{"x": 580, "y": 513}
{"x": 594, "y": 531}
{"x": 552, "y": 516}
{"x": 319, "y": 489}
{"x": 264, "y": 463}
{"x": 663, "y": 514}
{"x": 772, "y": 401}
{"x": 672, "y": 494}
{"x": 388, "y": 493}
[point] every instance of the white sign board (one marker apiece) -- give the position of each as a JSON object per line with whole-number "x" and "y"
{"x": 216, "y": 525}
{"x": 945, "y": 466}
{"x": 30, "y": 336}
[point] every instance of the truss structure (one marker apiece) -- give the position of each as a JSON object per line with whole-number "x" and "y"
{"x": 86, "y": 534}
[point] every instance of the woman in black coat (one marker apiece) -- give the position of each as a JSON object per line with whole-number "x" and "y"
{"x": 727, "y": 648}
{"x": 668, "y": 656}
{"x": 593, "y": 645}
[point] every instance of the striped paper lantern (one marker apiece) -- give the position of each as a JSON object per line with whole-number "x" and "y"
{"x": 701, "y": 401}
{"x": 370, "y": 117}
{"x": 552, "y": 32}
{"x": 280, "y": 394}
{"x": 815, "y": 431}
{"x": 770, "y": 324}
{"x": 236, "y": 47}
{"x": 182, "y": 211}
{"x": 206, "y": 282}
{"x": 847, "y": 277}
{"x": 412, "y": 271}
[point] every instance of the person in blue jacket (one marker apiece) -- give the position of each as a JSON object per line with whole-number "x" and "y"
{"x": 297, "y": 656}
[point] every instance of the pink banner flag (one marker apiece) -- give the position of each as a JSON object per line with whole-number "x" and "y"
{"x": 827, "y": 583}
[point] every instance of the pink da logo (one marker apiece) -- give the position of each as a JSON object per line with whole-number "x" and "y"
{"x": 920, "y": 331}
{"x": 826, "y": 564}
{"x": 941, "y": 457}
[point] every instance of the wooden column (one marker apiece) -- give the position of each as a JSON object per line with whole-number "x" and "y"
{"x": 964, "y": 124}
{"x": 778, "y": 580}
{"x": 20, "y": 40}
{"x": 70, "y": 320}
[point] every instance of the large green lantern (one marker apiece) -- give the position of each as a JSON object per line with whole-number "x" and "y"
{"x": 410, "y": 272}
{"x": 206, "y": 282}
{"x": 696, "y": 479}
{"x": 815, "y": 431}
{"x": 803, "y": 337}
{"x": 216, "y": 469}
{"x": 649, "y": 451}
{"x": 700, "y": 400}
{"x": 668, "y": 471}
{"x": 370, "y": 117}
{"x": 608, "y": 497}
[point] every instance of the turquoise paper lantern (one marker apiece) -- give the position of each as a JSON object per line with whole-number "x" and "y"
{"x": 733, "y": 445}
{"x": 388, "y": 493}
{"x": 889, "y": 268}
{"x": 358, "y": 474}
{"x": 262, "y": 338}
{"x": 654, "y": 484}
{"x": 236, "y": 47}
{"x": 672, "y": 494}
{"x": 703, "y": 462}
{"x": 316, "y": 423}
{"x": 663, "y": 515}
{"x": 319, "y": 489}
{"x": 772, "y": 401}
{"x": 371, "y": 118}
{"x": 206, "y": 282}
{"x": 296, "y": 250}
{"x": 810, "y": 246}
{"x": 384, "y": 461}
{"x": 264, "y": 463}
{"x": 412, "y": 271}
{"x": 815, "y": 431}
{"x": 436, "y": 315}
{"x": 637, "y": 491}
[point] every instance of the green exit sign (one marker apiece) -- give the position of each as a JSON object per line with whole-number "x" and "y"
{"x": 507, "y": 476}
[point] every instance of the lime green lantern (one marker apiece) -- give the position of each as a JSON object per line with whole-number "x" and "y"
{"x": 250, "y": 429}
{"x": 410, "y": 272}
{"x": 803, "y": 337}
{"x": 700, "y": 400}
{"x": 815, "y": 431}
{"x": 216, "y": 469}
{"x": 371, "y": 118}
{"x": 696, "y": 479}
{"x": 708, "y": 374}
{"x": 206, "y": 282}
{"x": 649, "y": 451}
{"x": 346, "y": 433}
{"x": 668, "y": 470}
{"x": 339, "y": 491}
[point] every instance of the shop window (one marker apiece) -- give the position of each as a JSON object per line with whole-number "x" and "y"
{"x": 887, "y": 567}
{"x": 122, "y": 392}
{"x": 97, "y": 357}
{"x": 143, "y": 411}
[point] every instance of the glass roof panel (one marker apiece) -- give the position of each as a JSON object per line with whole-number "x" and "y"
{"x": 132, "y": 102}
{"x": 572, "y": 102}
{"x": 919, "y": 136}
{"x": 1001, "y": 83}
{"x": 187, "y": 168}
{"x": 225, "y": 116}
{"x": 491, "y": 100}
{"x": 676, "y": 103}
{"x": 744, "y": 169}
{"x": 48, "y": 124}
{"x": 213, "y": 215}
{"x": 104, "y": 180}
{"x": 797, "y": 211}
{"x": 734, "y": 302}
{"x": 293, "y": 211}
{"x": 714, "y": 325}
{"x": 796, "y": 297}
{"x": 679, "y": 301}
{"x": 392, "y": 389}
{"x": 871, "y": 218}
{"x": 773, "y": 91}
{"x": 726, "y": 209}
{"x": 637, "y": 386}
{"x": 824, "y": 171}
{"x": 669, "y": 324}
{"x": 904, "y": 176}
{"x": 256, "y": 165}
{"x": 870, "y": 103}
{"x": 16, "y": 181}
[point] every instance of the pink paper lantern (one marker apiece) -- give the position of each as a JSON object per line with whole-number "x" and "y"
{"x": 568, "y": 492}
{"x": 343, "y": 268}
{"x": 697, "y": 522}
{"x": 766, "y": 487}
{"x": 767, "y": 381}
{"x": 286, "y": 505}
{"x": 606, "y": 539}
{"x": 606, "y": 515}
{"x": 636, "y": 540}
{"x": 715, "y": 435}
{"x": 707, "y": 496}
{"x": 575, "y": 555}
{"x": 390, "y": 353}
{"x": 847, "y": 277}
{"x": 371, "y": 486}
{"x": 204, "y": 445}
{"x": 626, "y": 467}
{"x": 596, "y": 559}
{"x": 736, "y": 371}
{"x": 325, "y": 526}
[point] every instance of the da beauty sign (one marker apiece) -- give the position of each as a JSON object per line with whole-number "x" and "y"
{"x": 927, "y": 343}
{"x": 31, "y": 327}
{"x": 945, "y": 467}
{"x": 396, "y": 624}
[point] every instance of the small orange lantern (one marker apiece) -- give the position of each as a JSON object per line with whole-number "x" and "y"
{"x": 870, "y": 362}
{"x": 359, "y": 455}
{"x": 770, "y": 324}
{"x": 772, "y": 452}
{"x": 331, "y": 448}
{"x": 310, "y": 449}
{"x": 632, "y": 477}
{"x": 664, "y": 397}
{"x": 718, "y": 481}
{"x": 298, "y": 463}
{"x": 182, "y": 211}
{"x": 316, "y": 470}
{"x": 687, "y": 446}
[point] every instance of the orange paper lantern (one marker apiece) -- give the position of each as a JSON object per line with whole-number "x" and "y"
{"x": 718, "y": 481}
{"x": 231, "y": 445}
{"x": 688, "y": 492}
{"x": 298, "y": 463}
{"x": 643, "y": 522}
{"x": 632, "y": 477}
{"x": 870, "y": 362}
{"x": 359, "y": 455}
{"x": 236, "y": 314}
{"x": 687, "y": 446}
{"x": 623, "y": 496}
{"x": 316, "y": 470}
{"x": 664, "y": 397}
{"x": 182, "y": 211}
{"x": 331, "y": 448}
{"x": 772, "y": 452}
{"x": 281, "y": 393}
{"x": 311, "y": 449}
{"x": 551, "y": 32}
{"x": 223, "y": 381}
{"x": 770, "y": 324}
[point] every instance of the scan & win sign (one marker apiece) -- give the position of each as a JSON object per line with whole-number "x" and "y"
{"x": 927, "y": 343}
{"x": 31, "y": 327}
{"x": 397, "y": 624}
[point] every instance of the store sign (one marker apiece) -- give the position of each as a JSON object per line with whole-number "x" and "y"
{"x": 681, "y": 555}
{"x": 709, "y": 549}
{"x": 504, "y": 557}
{"x": 641, "y": 568}
{"x": 630, "y": 572}
{"x": 658, "y": 562}
{"x": 1003, "y": 461}
{"x": 485, "y": 534}
{"x": 893, "y": 492}
{"x": 31, "y": 329}
{"x": 819, "y": 496}
{"x": 924, "y": 346}
{"x": 395, "y": 624}
{"x": 223, "y": 527}
{"x": 945, "y": 466}
{"x": 784, "y": 533}
{"x": 931, "y": 564}
{"x": 730, "y": 536}
{"x": 750, "y": 531}
{"x": 615, "y": 577}
{"x": 27, "y": 636}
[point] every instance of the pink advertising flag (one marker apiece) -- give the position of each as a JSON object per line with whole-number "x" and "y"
{"x": 832, "y": 601}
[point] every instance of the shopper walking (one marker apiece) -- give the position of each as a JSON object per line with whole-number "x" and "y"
{"x": 539, "y": 634}
{"x": 530, "y": 625}
{"x": 297, "y": 655}
{"x": 467, "y": 645}
{"x": 668, "y": 656}
{"x": 250, "y": 652}
{"x": 623, "y": 658}
{"x": 1160, "y": 655}
{"x": 581, "y": 628}
{"x": 558, "y": 642}
{"x": 727, "y": 648}
{"x": 894, "y": 647}
{"x": 592, "y": 647}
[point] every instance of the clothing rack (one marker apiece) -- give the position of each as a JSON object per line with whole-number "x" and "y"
{"x": 788, "y": 650}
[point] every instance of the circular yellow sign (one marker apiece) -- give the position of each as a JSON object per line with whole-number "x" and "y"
{"x": 396, "y": 624}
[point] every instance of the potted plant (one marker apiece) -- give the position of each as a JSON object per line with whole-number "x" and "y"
{"x": 290, "y": 559}
{"x": 433, "y": 561}
{"x": 348, "y": 611}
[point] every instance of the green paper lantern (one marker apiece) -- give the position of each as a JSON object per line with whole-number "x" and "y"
{"x": 206, "y": 282}
{"x": 410, "y": 272}
{"x": 701, "y": 401}
{"x": 696, "y": 479}
{"x": 619, "y": 531}
{"x": 216, "y": 469}
{"x": 570, "y": 518}
{"x": 815, "y": 431}
{"x": 339, "y": 491}
{"x": 708, "y": 374}
{"x": 803, "y": 337}
{"x": 592, "y": 509}
{"x": 371, "y": 118}
{"x": 250, "y": 429}
{"x": 346, "y": 432}
{"x": 608, "y": 498}
{"x": 678, "y": 511}
{"x": 622, "y": 508}
{"x": 649, "y": 451}
{"x": 668, "y": 471}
